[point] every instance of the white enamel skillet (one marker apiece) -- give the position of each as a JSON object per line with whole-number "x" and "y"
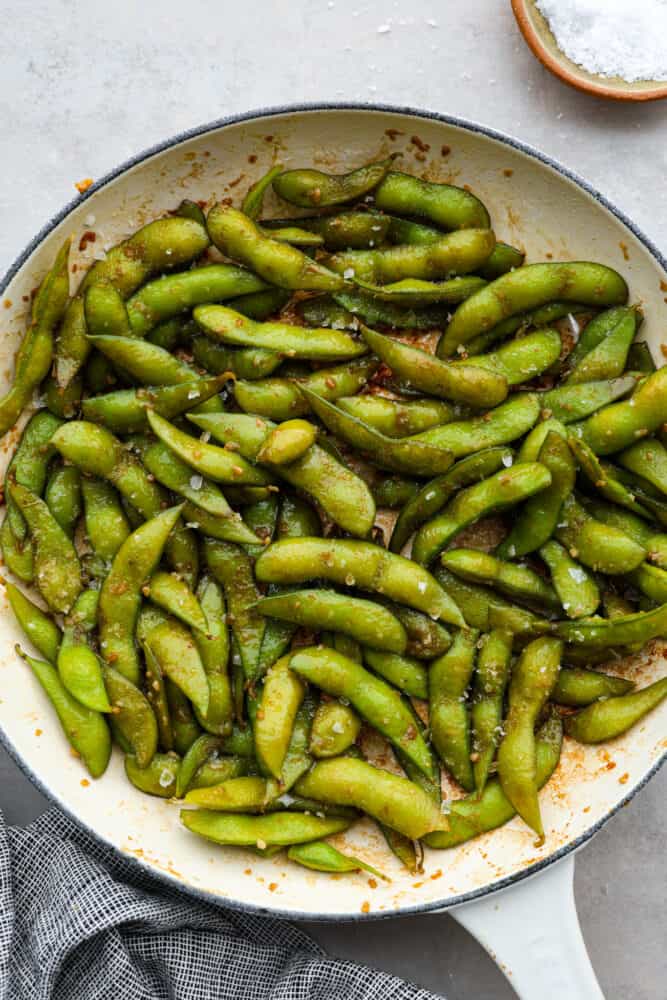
{"x": 528, "y": 924}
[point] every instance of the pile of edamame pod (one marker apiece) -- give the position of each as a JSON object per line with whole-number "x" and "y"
{"x": 224, "y": 406}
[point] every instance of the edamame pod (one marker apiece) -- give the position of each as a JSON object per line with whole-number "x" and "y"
{"x": 159, "y": 246}
{"x": 322, "y": 857}
{"x": 602, "y": 477}
{"x": 605, "y": 720}
{"x": 343, "y": 308}
{"x": 479, "y": 606}
{"x": 618, "y": 426}
{"x": 168, "y": 591}
{"x": 369, "y": 623}
{"x": 601, "y": 327}
{"x": 377, "y": 702}
{"x": 499, "y": 426}
{"x": 417, "y": 292}
{"x": 344, "y": 231}
{"x": 253, "y": 202}
{"x": 577, "y": 591}
{"x": 178, "y": 293}
{"x": 356, "y": 564}
{"x": 178, "y": 477}
{"x": 78, "y": 666}
{"x": 522, "y": 359}
{"x": 335, "y": 729}
{"x": 407, "y": 674}
{"x": 600, "y": 546}
{"x": 343, "y": 496}
{"x": 239, "y": 238}
{"x": 648, "y": 459}
{"x": 56, "y": 564}
{"x": 486, "y": 711}
{"x": 42, "y": 631}
{"x": 120, "y": 596}
{"x": 35, "y": 354}
{"x": 17, "y": 558}
{"x": 63, "y": 497}
{"x": 124, "y": 411}
{"x": 449, "y": 717}
{"x": 29, "y": 464}
{"x": 231, "y": 327}
{"x": 537, "y": 519}
{"x": 281, "y": 697}
{"x": 622, "y": 631}
{"x": 310, "y": 188}
{"x": 280, "y": 398}
{"x": 607, "y": 359}
{"x": 527, "y": 288}
{"x": 282, "y": 829}
{"x": 447, "y": 206}
{"x": 473, "y": 815}
{"x": 131, "y": 716}
{"x": 579, "y": 687}
{"x": 568, "y": 403}
{"x": 86, "y": 730}
{"x": 248, "y": 363}
{"x": 519, "y": 582}
{"x": 455, "y": 254}
{"x": 419, "y": 370}
{"x": 287, "y": 442}
{"x": 396, "y": 418}
{"x": 159, "y": 778}
{"x": 106, "y": 524}
{"x": 391, "y": 799}
{"x": 174, "y": 648}
{"x": 399, "y": 455}
{"x": 499, "y": 492}
{"x": 232, "y": 568}
{"x": 533, "y": 679}
{"x": 213, "y": 646}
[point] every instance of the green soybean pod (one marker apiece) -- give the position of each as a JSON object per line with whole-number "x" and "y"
{"x": 609, "y": 357}
{"x": 310, "y": 188}
{"x": 370, "y": 696}
{"x": 174, "y": 294}
{"x": 213, "y": 645}
{"x": 155, "y": 686}
{"x": 253, "y": 201}
{"x": 335, "y": 729}
{"x": 395, "y": 454}
{"x": 178, "y": 477}
{"x": 433, "y": 496}
{"x": 281, "y": 829}
{"x": 598, "y": 330}
{"x": 79, "y": 668}
{"x": 239, "y": 238}
{"x": 449, "y": 678}
{"x": 280, "y": 398}
{"x": 19, "y": 559}
{"x": 603, "y": 479}
{"x": 600, "y": 546}
{"x": 605, "y": 720}
{"x": 639, "y": 358}
{"x": 390, "y": 798}
{"x": 344, "y": 308}
{"x": 569, "y": 403}
{"x": 85, "y": 729}
{"x": 426, "y": 638}
{"x": 404, "y": 672}
{"x": 501, "y": 425}
{"x": 648, "y": 459}
{"x": 415, "y": 292}
{"x": 504, "y": 258}
{"x": 528, "y": 288}
{"x": 246, "y": 363}
{"x": 216, "y": 770}
{"x": 322, "y": 857}
{"x": 281, "y": 697}
{"x": 344, "y": 231}
{"x": 447, "y": 206}
{"x": 499, "y": 492}
{"x": 232, "y": 568}
{"x": 486, "y": 709}
{"x": 479, "y": 606}
{"x": 262, "y": 305}
{"x": 158, "y": 246}
{"x": 397, "y": 418}
{"x": 124, "y": 411}
{"x": 454, "y": 254}
{"x": 63, "y": 497}
{"x": 395, "y": 491}
{"x": 519, "y": 582}
{"x": 171, "y": 593}
{"x": 474, "y": 815}
{"x": 533, "y": 679}
{"x": 29, "y": 464}
{"x": 56, "y": 564}
{"x": 184, "y": 725}
{"x": 417, "y": 369}
{"x": 578, "y": 687}
{"x": 105, "y": 312}
{"x": 617, "y": 427}
{"x": 42, "y": 631}
{"x": 522, "y": 359}
{"x": 106, "y": 524}
{"x": 158, "y": 778}
{"x": 651, "y": 581}
{"x": 601, "y": 633}
{"x": 174, "y": 648}
{"x": 132, "y": 719}
{"x": 120, "y": 595}
{"x": 577, "y": 590}
{"x": 537, "y": 519}
{"x": 287, "y": 442}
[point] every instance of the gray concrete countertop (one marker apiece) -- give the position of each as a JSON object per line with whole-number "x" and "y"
{"x": 84, "y": 85}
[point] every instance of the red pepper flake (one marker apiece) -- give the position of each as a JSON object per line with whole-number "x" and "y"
{"x": 7, "y": 303}
{"x": 372, "y": 884}
{"x": 84, "y": 783}
{"x": 38, "y": 732}
{"x": 624, "y": 250}
{"x": 82, "y": 186}
{"x": 268, "y": 138}
{"x": 624, "y": 778}
{"x": 393, "y": 133}
{"x": 419, "y": 143}
{"x": 237, "y": 180}
{"x": 273, "y": 886}
{"x": 365, "y": 907}
{"x": 508, "y": 172}
{"x": 445, "y": 150}
{"x": 88, "y": 237}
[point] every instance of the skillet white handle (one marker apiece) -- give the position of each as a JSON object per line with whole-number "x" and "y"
{"x": 532, "y": 932}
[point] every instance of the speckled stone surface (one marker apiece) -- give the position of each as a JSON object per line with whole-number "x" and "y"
{"x": 83, "y": 85}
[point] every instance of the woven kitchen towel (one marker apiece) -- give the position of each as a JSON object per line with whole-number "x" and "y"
{"x": 80, "y": 923}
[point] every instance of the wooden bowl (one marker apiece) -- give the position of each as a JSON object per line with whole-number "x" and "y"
{"x": 537, "y": 33}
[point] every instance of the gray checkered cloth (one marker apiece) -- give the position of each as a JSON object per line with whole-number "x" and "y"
{"x": 80, "y": 923}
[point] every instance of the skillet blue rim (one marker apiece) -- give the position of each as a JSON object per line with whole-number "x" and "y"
{"x": 267, "y": 113}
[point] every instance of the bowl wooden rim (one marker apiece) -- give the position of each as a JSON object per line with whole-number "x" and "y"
{"x": 575, "y": 76}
